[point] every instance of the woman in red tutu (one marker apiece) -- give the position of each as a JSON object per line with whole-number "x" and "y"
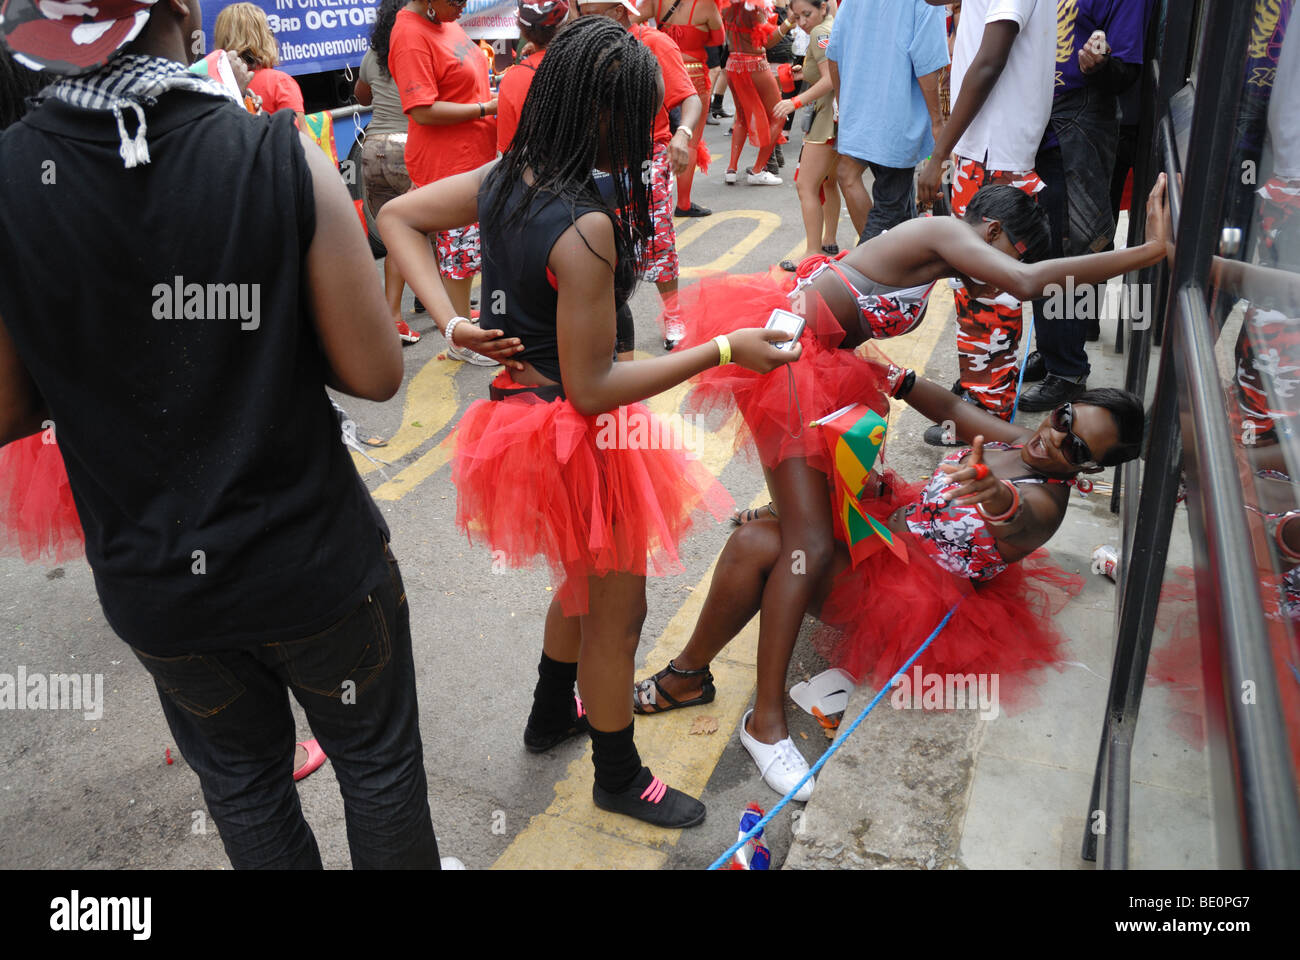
{"x": 878, "y": 290}
{"x": 563, "y": 462}
{"x": 965, "y": 532}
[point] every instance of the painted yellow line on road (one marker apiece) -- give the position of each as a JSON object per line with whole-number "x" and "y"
{"x": 572, "y": 833}
{"x": 430, "y": 403}
{"x": 765, "y": 221}
{"x": 414, "y": 475}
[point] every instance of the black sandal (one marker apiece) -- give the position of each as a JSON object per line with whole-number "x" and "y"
{"x": 742, "y": 517}
{"x": 648, "y": 696}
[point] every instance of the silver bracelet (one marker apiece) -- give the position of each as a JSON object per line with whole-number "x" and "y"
{"x": 451, "y": 327}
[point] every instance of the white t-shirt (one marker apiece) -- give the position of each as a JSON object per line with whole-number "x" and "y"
{"x": 1283, "y": 114}
{"x": 1010, "y": 125}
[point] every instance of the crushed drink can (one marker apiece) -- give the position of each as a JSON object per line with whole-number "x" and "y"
{"x": 1105, "y": 560}
{"x": 753, "y": 855}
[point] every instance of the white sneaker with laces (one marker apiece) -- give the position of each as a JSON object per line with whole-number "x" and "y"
{"x": 469, "y": 356}
{"x": 780, "y": 764}
{"x": 764, "y": 178}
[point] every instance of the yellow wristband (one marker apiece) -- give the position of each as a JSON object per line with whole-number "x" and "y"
{"x": 724, "y": 350}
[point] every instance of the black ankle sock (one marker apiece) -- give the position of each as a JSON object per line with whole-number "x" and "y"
{"x": 717, "y": 102}
{"x": 553, "y": 695}
{"x": 615, "y": 758}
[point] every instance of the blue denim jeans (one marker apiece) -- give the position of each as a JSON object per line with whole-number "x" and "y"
{"x": 230, "y": 715}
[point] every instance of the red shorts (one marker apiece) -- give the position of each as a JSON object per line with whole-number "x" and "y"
{"x": 459, "y": 257}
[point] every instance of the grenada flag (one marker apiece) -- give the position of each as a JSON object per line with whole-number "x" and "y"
{"x": 856, "y": 436}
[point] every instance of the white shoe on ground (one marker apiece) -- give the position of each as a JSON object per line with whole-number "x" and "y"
{"x": 780, "y": 764}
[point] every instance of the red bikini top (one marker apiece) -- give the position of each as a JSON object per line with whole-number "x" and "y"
{"x": 690, "y": 39}
{"x": 761, "y": 17}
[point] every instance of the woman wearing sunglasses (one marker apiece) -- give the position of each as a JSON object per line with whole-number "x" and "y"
{"x": 879, "y": 290}
{"x": 968, "y": 532}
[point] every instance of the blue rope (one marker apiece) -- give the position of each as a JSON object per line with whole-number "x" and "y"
{"x": 821, "y": 762}
{"x": 1029, "y": 339}
{"x": 758, "y": 827}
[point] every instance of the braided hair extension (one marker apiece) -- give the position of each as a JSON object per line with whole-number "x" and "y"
{"x": 593, "y": 70}
{"x": 384, "y": 20}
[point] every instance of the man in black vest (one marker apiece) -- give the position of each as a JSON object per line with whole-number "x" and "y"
{"x": 233, "y": 545}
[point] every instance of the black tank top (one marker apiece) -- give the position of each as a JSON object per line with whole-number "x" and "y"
{"x": 517, "y": 295}
{"x": 184, "y": 374}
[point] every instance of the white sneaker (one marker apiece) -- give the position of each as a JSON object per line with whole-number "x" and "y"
{"x": 469, "y": 356}
{"x": 764, "y": 178}
{"x": 730, "y": 176}
{"x": 452, "y": 863}
{"x": 780, "y": 764}
{"x": 674, "y": 333}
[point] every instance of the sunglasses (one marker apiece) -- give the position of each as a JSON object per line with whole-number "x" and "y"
{"x": 1074, "y": 449}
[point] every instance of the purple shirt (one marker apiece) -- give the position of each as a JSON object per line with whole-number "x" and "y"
{"x": 1124, "y": 22}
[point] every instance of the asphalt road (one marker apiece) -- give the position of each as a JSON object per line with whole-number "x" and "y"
{"x": 99, "y": 793}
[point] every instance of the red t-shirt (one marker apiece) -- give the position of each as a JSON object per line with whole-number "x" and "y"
{"x": 677, "y": 84}
{"x": 433, "y": 62}
{"x": 511, "y": 95}
{"x": 278, "y": 90}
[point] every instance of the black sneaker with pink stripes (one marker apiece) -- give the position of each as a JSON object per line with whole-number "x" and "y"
{"x": 652, "y": 800}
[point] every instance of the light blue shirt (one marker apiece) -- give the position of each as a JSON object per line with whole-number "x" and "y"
{"x": 881, "y": 47}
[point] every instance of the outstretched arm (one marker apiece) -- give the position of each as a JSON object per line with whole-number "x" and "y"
{"x": 581, "y": 261}
{"x": 405, "y": 223}
{"x": 967, "y": 253}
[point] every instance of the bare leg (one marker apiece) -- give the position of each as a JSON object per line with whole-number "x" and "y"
{"x": 814, "y": 165}
{"x": 770, "y": 93}
{"x": 831, "y": 208}
{"x": 735, "y": 594}
{"x": 458, "y": 292}
{"x": 563, "y": 637}
{"x": 393, "y": 287}
{"x": 856, "y": 196}
{"x": 783, "y": 568}
{"x": 610, "y": 632}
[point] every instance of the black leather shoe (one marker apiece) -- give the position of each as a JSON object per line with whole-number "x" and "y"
{"x": 1035, "y": 367}
{"x": 695, "y": 210}
{"x": 711, "y": 120}
{"x": 1051, "y": 393}
{"x": 721, "y": 112}
{"x": 936, "y": 437}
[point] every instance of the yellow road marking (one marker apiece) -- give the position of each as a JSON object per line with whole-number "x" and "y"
{"x": 414, "y": 475}
{"x": 766, "y": 224}
{"x": 431, "y": 401}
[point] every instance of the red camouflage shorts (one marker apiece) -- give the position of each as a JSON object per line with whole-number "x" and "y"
{"x": 659, "y": 257}
{"x": 458, "y": 252}
{"x": 988, "y": 334}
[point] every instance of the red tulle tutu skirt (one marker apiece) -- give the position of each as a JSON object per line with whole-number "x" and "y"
{"x": 38, "y": 518}
{"x": 879, "y": 612}
{"x": 776, "y": 418}
{"x": 589, "y": 495}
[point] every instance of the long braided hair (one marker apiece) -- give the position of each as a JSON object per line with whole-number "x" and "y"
{"x": 594, "y": 69}
{"x": 383, "y": 29}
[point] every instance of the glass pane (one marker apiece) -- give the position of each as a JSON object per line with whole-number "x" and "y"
{"x": 1255, "y": 295}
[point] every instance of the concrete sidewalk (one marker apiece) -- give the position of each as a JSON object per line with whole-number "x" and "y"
{"x": 929, "y": 789}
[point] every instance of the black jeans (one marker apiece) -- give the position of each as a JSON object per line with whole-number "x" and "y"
{"x": 1061, "y": 340}
{"x": 356, "y": 682}
{"x": 893, "y": 199}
